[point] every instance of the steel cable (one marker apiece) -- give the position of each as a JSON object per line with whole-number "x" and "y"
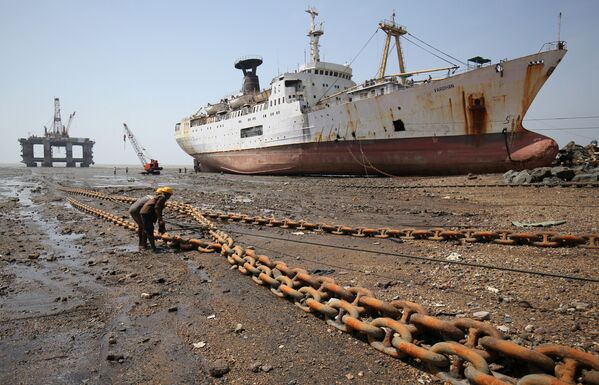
{"x": 438, "y": 50}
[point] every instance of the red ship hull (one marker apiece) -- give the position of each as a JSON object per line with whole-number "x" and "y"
{"x": 448, "y": 155}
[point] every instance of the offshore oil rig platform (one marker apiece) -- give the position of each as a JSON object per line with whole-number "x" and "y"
{"x": 57, "y": 137}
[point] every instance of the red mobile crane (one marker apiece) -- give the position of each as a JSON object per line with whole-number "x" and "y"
{"x": 150, "y": 167}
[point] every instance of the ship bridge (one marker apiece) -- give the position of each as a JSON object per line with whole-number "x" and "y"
{"x": 311, "y": 83}
{"x": 327, "y": 69}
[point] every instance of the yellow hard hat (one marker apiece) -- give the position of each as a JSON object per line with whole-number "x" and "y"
{"x": 159, "y": 190}
{"x": 167, "y": 190}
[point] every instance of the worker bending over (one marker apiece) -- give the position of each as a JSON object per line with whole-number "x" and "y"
{"x": 146, "y": 211}
{"x": 134, "y": 212}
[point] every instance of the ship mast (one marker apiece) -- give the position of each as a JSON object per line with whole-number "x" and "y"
{"x": 392, "y": 30}
{"x": 314, "y": 35}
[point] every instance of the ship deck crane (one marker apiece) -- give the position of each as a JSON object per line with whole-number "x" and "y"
{"x": 150, "y": 167}
{"x": 392, "y": 30}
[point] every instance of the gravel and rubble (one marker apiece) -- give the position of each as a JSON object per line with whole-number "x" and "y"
{"x": 552, "y": 175}
{"x": 573, "y": 154}
{"x": 79, "y": 303}
{"x": 574, "y": 163}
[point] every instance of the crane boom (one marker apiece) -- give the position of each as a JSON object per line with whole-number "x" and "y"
{"x": 152, "y": 167}
{"x": 66, "y": 131}
{"x": 138, "y": 149}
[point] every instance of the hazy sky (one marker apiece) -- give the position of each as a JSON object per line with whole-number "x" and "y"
{"x": 150, "y": 63}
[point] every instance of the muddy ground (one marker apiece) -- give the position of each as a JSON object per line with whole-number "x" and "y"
{"x": 72, "y": 309}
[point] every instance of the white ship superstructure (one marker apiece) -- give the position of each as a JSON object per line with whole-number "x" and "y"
{"x": 317, "y": 120}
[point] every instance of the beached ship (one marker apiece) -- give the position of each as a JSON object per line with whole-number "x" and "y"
{"x": 317, "y": 120}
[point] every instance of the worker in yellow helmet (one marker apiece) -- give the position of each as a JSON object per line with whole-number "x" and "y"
{"x": 146, "y": 211}
{"x": 134, "y": 212}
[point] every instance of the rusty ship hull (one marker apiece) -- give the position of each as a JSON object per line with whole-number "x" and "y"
{"x": 469, "y": 122}
{"x": 418, "y": 156}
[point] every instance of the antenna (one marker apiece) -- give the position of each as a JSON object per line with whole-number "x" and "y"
{"x": 559, "y": 26}
{"x": 560, "y": 43}
{"x": 314, "y": 33}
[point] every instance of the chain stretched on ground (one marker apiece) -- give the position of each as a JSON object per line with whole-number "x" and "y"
{"x": 477, "y": 185}
{"x": 464, "y": 236}
{"x": 457, "y": 350}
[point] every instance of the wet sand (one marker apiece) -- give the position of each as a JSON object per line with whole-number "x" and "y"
{"x": 72, "y": 310}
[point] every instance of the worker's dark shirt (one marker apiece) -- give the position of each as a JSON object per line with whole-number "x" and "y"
{"x": 154, "y": 206}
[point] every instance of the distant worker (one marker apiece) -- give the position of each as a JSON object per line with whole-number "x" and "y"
{"x": 114, "y": 171}
{"x": 151, "y": 212}
{"x": 185, "y": 170}
{"x": 127, "y": 170}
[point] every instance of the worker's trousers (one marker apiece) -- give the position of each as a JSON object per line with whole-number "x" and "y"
{"x": 141, "y": 234}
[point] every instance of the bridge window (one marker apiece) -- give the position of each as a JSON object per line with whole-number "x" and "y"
{"x": 251, "y": 131}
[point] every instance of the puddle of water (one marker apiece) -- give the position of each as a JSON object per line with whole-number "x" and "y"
{"x": 40, "y": 282}
{"x": 61, "y": 244}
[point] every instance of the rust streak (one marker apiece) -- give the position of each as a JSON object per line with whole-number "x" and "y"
{"x": 466, "y": 125}
{"x": 351, "y": 125}
{"x": 475, "y": 114}
{"x": 532, "y": 83}
{"x": 478, "y": 115}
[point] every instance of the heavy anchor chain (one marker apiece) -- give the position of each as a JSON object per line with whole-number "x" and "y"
{"x": 500, "y": 237}
{"x": 471, "y": 185}
{"x": 458, "y": 350}
{"x": 171, "y": 240}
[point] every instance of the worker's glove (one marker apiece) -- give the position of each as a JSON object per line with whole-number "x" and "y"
{"x": 161, "y": 227}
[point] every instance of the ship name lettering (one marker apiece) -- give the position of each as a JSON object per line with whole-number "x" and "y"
{"x": 443, "y": 88}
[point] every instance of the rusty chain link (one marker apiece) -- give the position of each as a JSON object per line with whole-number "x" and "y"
{"x": 471, "y": 185}
{"x": 174, "y": 240}
{"x": 458, "y": 350}
{"x": 500, "y": 237}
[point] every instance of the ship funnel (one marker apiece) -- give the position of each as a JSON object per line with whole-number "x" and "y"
{"x": 248, "y": 64}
